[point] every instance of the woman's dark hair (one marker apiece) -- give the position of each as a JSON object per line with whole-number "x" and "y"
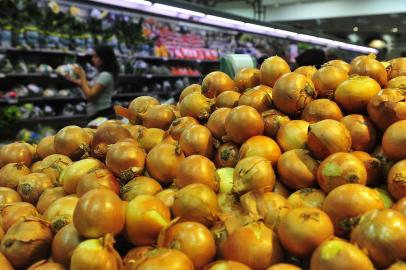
{"x": 109, "y": 60}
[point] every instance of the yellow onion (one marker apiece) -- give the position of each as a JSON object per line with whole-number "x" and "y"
{"x": 387, "y": 107}
{"x": 17, "y": 152}
{"x": 273, "y": 120}
{"x": 307, "y": 71}
{"x": 397, "y": 67}
{"x": 396, "y": 180}
{"x": 196, "y": 202}
{"x": 196, "y": 139}
{"x": 242, "y": 123}
{"x": 46, "y": 147}
{"x": 179, "y": 125}
{"x": 141, "y": 185}
{"x": 335, "y": 254}
{"x": 399, "y": 265}
{"x": 327, "y": 79}
{"x": 64, "y": 243}
{"x": 170, "y": 259}
{"x": 297, "y": 169}
{"x": 4, "y": 263}
{"x": 259, "y": 97}
{"x": 105, "y": 136}
{"x": 321, "y": 109}
{"x": 36, "y": 166}
{"x": 228, "y": 265}
{"x": 215, "y": 83}
{"x": 97, "y": 178}
{"x": 14, "y": 212}
{"x": 60, "y": 212}
{"x": 73, "y": 141}
{"x": 255, "y": 245}
{"x": 353, "y": 94}
{"x": 45, "y": 265}
{"x": 150, "y": 137}
{"x": 71, "y": 175}
{"x": 307, "y": 197}
{"x": 32, "y": 185}
{"x": 398, "y": 82}
{"x": 178, "y": 236}
{"x": 8, "y": 195}
{"x": 327, "y": 137}
{"x": 190, "y": 89}
{"x": 369, "y": 66}
{"x": 226, "y": 155}
{"x": 167, "y": 196}
{"x": 197, "y": 169}
{"x": 227, "y": 99}
{"x": 26, "y": 242}
{"x": 158, "y": 116}
{"x": 48, "y": 197}
{"x": 394, "y": 141}
{"x": 253, "y": 173}
{"x": 260, "y": 146}
{"x": 341, "y": 64}
{"x": 363, "y": 132}
{"x": 140, "y": 105}
{"x": 95, "y": 206}
{"x": 373, "y": 166}
{"x": 196, "y": 105}
{"x": 371, "y": 234}
{"x": 293, "y": 135}
{"x": 267, "y": 206}
{"x": 136, "y": 253}
{"x": 292, "y": 92}
{"x": 216, "y": 122}
{"x": 96, "y": 254}
{"x": 272, "y": 69}
{"x": 53, "y": 166}
{"x": 146, "y": 216}
{"x": 11, "y": 173}
{"x": 247, "y": 78}
{"x": 125, "y": 160}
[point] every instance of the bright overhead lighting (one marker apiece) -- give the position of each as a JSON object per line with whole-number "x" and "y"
{"x": 141, "y": 2}
{"x": 179, "y": 10}
{"x": 355, "y": 29}
{"x": 395, "y": 30}
{"x": 221, "y": 19}
{"x": 287, "y": 33}
{"x": 259, "y": 27}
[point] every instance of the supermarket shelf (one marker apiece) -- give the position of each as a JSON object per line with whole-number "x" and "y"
{"x": 41, "y": 100}
{"x": 57, "y": 119}
{"x": 44, "y": 51}
{"x": 30, "y": 75}
{"x": 132, "y": 78}
{"x": 165, "y": 59}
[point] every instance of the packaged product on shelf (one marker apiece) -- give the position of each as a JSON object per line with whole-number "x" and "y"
{"x": 32, "y": 36}
{"x": 6, "y": 36}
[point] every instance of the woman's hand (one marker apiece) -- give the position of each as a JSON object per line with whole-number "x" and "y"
{"x": 79, "y": 72}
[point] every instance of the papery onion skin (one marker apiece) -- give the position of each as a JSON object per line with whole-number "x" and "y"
{"x": 60, "y": 212}
{"x": 13, "y": 213}
{"x": 196, "y": 105}
{"x": 216, "y": 122}
{"x": 179, "y": 125}
{"x": 226, "y": 155}
{"x": 16, "y": 152}
{"x": 170, "y": 259}
{"x": 197, "y": 169}
{"x": 64, "y": 243}
{"x": 396, "y": 180}
{"x": 363, "y": 132}
{"x": 46, "y": 147}
{"x": 259, "y": 97}
{"x": 197, "y": 139}
{"x": 106, "y": 136}
{"x": 247, "y": 78}
{"x": 242, "y": 123}
{"x": 158, "y": 116}
{"x": 191, "y": 238}
{"x": 32, "y": 185}
{"x": 97, "y": 205}
{"x": 293, "y": 135}
{"x": 341, "y": 64}
{"x": 44, "y": 265}
{"x": 140, "y": 105}
{"x": 140, "y": 185}
{"x": 97, "y": 178}
{"x": 303, "y": 229}
{"x": 327, "y": 137}
{"x": 400, "y": 206}
{"x": 215, "y": 83}
{"x": 255, "y": 245}
{"x": 229, "y": 265}
{"x": 260, "y": 146}
{"x": 335, "y": 254}
{"x": 196, "y": 202}
{"x": 371, "y": 234}
{"x": 394, "y": 141}
{"x": 190, "y": 89}
{"x": 163, "y": 162}
{"x": 345, "y": 203}
{"x": 54, "y": 165}
{"x": 321, "y": 109}
{"x": 11, "y": 173}
{"x": 26, "y": 242}
{"x": 227, "y": 99}
{"x": 327, "y": 79}
{"x": 307, "y": 197}
{"x": 70, "y": 176}
{"x": 8, "y": 195}
{"x": 72, "y": 141}
{"x": 307, "y": 71}
{"x": 145, "y": 217}
{"x": 272, "y": 69}
{"x": 397, "y": 67}
{"x": 96, "y": 254}
{"x": 273, "y": 120}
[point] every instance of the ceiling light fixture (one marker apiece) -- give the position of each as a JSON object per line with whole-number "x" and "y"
{"x": 395, "y": 29}
{"x": 179, "y": 10}
{"x": 141, "y": 2}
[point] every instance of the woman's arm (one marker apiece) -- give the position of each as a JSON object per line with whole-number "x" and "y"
{"x": 90, "y": 91}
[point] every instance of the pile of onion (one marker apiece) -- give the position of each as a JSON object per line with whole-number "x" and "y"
{"x": 247, "y": 78}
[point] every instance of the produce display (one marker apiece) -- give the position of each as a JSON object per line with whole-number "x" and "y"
{"x": 274, "y": 169}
